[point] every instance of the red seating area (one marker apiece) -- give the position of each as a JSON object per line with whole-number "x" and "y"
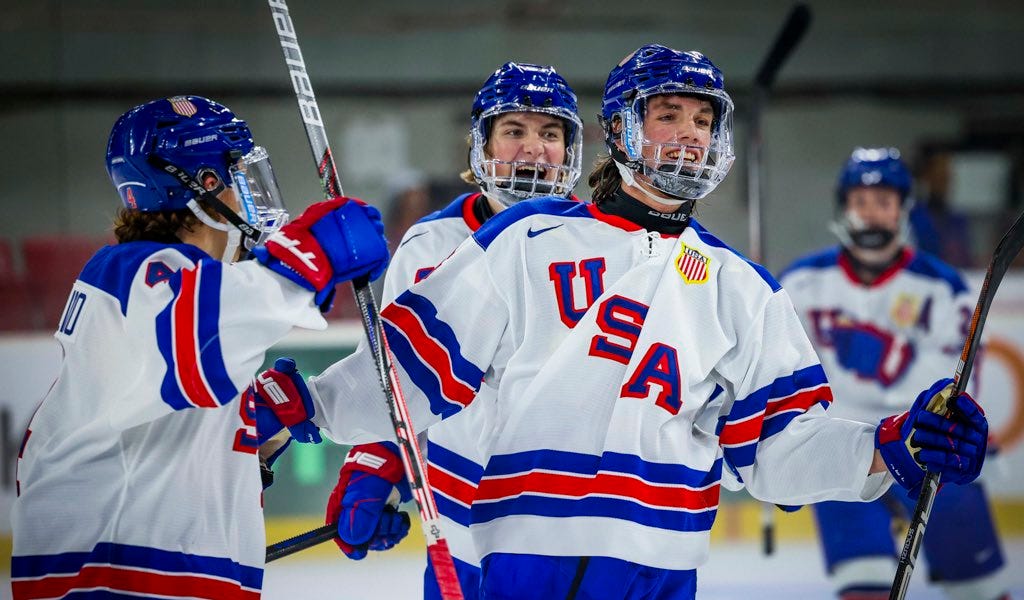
{"x": 33, "y": 296}
{"x": 36, "y": 276}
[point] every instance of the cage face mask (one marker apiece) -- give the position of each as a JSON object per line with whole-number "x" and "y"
{"x": 259, "y": 197}
{"x": 512, "y": 181}
{"x": 674, "y": 167}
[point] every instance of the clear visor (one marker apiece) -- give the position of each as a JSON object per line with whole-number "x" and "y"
{"x": 512, "y": 181}
{"x": 678, "y": 167}
{"x": 258, "y": 194}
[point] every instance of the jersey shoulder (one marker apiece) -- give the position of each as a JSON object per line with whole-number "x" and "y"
{"x": 825, "y": 258}
{"x": 461, "y": 208}
{"x": 113, "y": 268}
{"x": 526, "y": 210}
{"x": 932, "y": 267}
{"x": 731, "y": 255}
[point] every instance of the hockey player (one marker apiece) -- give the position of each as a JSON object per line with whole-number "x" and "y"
{"x": 886, "y": 321}
{"x": 634, "y": 356}
{"x": 526, "y": 138}
{"x": 138, "y": 474}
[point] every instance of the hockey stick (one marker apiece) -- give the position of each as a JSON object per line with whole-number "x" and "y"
{"x": 301, "y": 542}
{"x": 792, "y": 32}
{"x": 1007, "y": 250}
{"x": 412, "y": 458}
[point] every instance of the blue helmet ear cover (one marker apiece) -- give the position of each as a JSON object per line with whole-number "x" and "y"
{"x": 874, "y": 167}
{"x": 195, "y": 134}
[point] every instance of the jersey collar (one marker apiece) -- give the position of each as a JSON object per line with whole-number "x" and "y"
{"x": 846, "y": 265}
{"x": 467, "y": 212}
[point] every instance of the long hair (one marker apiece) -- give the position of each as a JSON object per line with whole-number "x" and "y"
{"x": 138, "y": 226}
{"x": 604, "y": 178}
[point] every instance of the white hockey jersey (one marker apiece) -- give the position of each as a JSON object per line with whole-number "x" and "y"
{"x": 455, "y": 447}
{"x": 138, "y": 476}
{"x": 629, "y": 367}
{"x": 881, "y": 344}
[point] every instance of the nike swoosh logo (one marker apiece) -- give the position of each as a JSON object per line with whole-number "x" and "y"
{"x": 409, "y": 239}
{"x": 532, "y": 233}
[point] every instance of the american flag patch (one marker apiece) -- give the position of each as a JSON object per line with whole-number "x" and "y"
{"x": 183, "y": 106}
{"x": 692, "y": 265}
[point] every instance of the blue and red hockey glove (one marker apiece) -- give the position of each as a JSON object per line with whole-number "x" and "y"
{"x": 331, "y": 242}
{"x": 364, "y": 503}
{"x": 952, "y": 444}
{"x": 283, "y": 400}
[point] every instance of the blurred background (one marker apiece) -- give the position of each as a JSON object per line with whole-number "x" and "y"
{"x": 941, "y": 80}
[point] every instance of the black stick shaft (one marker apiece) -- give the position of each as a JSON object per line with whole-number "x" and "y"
{"x": 301, "y": 542}
{"x": 1007, "y": 250}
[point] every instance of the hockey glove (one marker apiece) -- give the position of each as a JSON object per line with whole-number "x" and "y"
{"x": 364, "y": 503}
{"x": 331, "y": 242}
{"x": 951, "y": 444}
{"x": 283, "y": 400}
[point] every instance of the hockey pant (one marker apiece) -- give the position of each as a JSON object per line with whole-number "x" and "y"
{"x": 530, "y": 576}
{"x": 961, "y": 542}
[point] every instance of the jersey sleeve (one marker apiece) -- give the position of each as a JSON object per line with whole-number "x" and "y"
{"x": 206, "y": 325}
{"x": 443, "y": 334}
{"x": 775, "y": 433}
{"x": 413, "y": 260}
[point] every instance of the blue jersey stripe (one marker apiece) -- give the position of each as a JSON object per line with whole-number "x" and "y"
{"x": 464, "y": 370}
{"x": 741, "y": 456}
{"x": 779, "y": 422}
{"x": 208, "y": 332}
{"x": 419, "y": 372}
{"x": 824, "y": 259}
{"x": 551, "y": 205}
{"x": 930, "y": 266}
{"x": 787, "y": 385}
{"x": 453, "y": 463}
{"x": 452, "y": 211}
{"x": 170, "y": 391}
{"x": 589, "y": 464}
{"x": 708, "y": 238}
{"x": 614, "y": 508}
{"x": 113, "y": 268}
{"x": 453, "y": 510}
{"x": 142, "y": 557}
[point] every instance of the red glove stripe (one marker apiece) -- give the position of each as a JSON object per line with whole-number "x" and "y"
{"x": 282, "y": 396}
{"x": 296, "y": 247}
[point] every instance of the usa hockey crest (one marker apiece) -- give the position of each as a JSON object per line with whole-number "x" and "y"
{"x": 183, "y": 106}
{"x": 692, "y": 265}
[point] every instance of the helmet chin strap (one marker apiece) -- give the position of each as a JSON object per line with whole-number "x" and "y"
{"x": 629, "y": 178}
{"x": 234, "y": 234}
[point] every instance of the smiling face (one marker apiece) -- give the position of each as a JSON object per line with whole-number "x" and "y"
{"x": 530, "y": 139}
{"x": 875, "y": 207}
{"x": 677, "y": 126}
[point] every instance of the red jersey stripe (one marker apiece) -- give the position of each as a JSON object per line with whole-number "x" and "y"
{"x": 802, "y": 400}
{"x": 604, "y": 484}
{"x": 186, "y": 353}
{"x": 430, "y": 352}
{"x": 447, "y": 484}
{"x": 124, "y": 579}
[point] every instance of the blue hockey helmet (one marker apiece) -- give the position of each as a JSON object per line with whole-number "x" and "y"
{"x": 201, "y": 140}
{"x": 522, "y": 87}
{"x": 193, "y": 133}
{"x": 874, "y": 167}
{"x": 654, "y": 70}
